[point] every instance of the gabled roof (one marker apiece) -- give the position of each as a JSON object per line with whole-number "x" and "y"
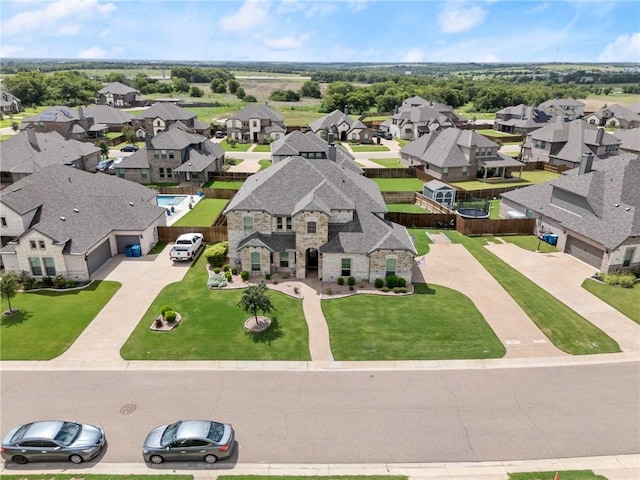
{"x": 256, "y": 110}
{"x": 561, "y": 103}
{"x": 58, "y": 114}
{"x": 334, "y": 118}
{"x": 326, "y": 187}
{"x": 7, "y": 99}
{"x": 630, "y": 139}
{"x": 19, "y": 155}
{"x": 524, "y": 116}
{"x": 118, "y": 89}
{"x": 107, "y": 114}
{"x": 166, "y": 111}
{"x": 619, "y": 112}
{"x": 443, "y": 147}
{"x": 611, "y": 191}
{"x": 79, "y": 208}
{"x": 298, "y": 143}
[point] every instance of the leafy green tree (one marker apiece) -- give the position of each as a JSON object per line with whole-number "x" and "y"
{"x": 254, "y": 299}
{"x": 15, "y": 126}
{"x": 8, "y": 287}
{"x": 311, "y": 89}
{"x": 250, "y": 98}
{"x": 218, "y": 86}
{"x": 112, "y": 77}
{"x": 240, "y": 93}
{"x": 233, "y": 85}
{"x": 196, "y": 91}
{"x": 180, "y": 85}
{"x": 129, "y": 134}
{"x": 284, "y": 96}
{"x": 29, "y": 87}
{"x": 104, "y": 148}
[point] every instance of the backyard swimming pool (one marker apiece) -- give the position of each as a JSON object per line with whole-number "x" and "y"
{"x": 170, "y": 200}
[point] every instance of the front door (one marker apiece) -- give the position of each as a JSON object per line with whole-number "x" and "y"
{"x": 312, "y": 259}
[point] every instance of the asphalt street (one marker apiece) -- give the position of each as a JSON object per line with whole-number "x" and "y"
{"x": 351, "y": 417}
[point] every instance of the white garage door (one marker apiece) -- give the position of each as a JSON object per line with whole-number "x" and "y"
{"x": 583, "y": 251}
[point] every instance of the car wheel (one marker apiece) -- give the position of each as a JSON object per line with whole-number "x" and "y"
{"x": 210, "y": 458}
{"x": 19, "y": 459}
{"x": 157, "y": 459}
{"x": 75, "y": 458}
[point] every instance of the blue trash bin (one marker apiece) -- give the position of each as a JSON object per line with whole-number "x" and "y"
{"x": 136, "y": 251}
{"x": 553, "y": 239}
{"x": 127, "y": 251}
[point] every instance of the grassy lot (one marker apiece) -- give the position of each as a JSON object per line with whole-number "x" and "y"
{"x": 262, "y": 148}
{"x": 50, "y": 321}
{"x": 435, "y": 323}
{"x": 563, "y": 475}
{"x": 493, "y": 133}
{"x": 369, "y": 148}
{"x": 235, "y": 185}
{"x": 265, "y": 163}
{"x": 625, "y": 300}
{"x": 4, "y": 138}
{"x": 399, "y": 184}
{"x": 405, "y": 208}
{"x": 494, "y": 209}
{"x": 566, "y": 329}
{"x": 388, "y": 162}
{"x": 420, "y": 240}
{"x": 203, "y": 214}
{"x": 528, "y": 178}
{"x": 8, "y": 120}
{"x": 240, "y": 147}
{"x": 299, "y": 114}
{"x": 376, "y": 118}
{"x": 212, "y": 326}
{"x": 215, "y": 114}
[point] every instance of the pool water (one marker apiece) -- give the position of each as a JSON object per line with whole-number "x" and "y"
{"x": 170, "y": 200}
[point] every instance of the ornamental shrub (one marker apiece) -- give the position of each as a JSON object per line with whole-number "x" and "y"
{"x": 59, "y": 281}
{"x": 396, "y": 289}
{"x": 267, "y": 276}
{"x": 244, "y": 275}
{"x": 165, "y": 308}
{"x": 402, "y": 282}
{"x": 216, "y": 254}
{"x": 340, "y": 281}
{"x": 226, "y": 268}
{"x": 378, "y": 283}
{"x": 385, "y": 289}
{"x": 234, "y": 270}
{"x": 170, "y": 316}
{"x": 391, "y": 281}
{"x": 217, "y": 280}
{"x": 228, "y": 276}
{"x": 351, "y": 281}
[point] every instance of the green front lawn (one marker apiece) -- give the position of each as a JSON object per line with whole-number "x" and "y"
{"x": 420, "y": 240}
{"x": 50, "y": 321}
{"x": 435, "y": 323}
{"x": 203, "y": 214}
{"x": 494, "y": 133}
{"x": 566, "y": 329}
{"x": 369, "y": 148}
{"x": 262, "y": 148}
{"x": 240, "y": 147}
{"x": 399, "y": 184}
{"x": 563, "y": 475}
{"x": 264, "y": 163}
{"x": 625, "y": 300}
{"x": 405, "y": 208}
{"x": 529, "y": 242}
{"x": 388, "y": 162}
{"x": 224, "y": 185}
{"x": 212, "y": 326}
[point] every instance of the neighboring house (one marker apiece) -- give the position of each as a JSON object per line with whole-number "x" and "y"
{"x": 567, "y": 108}
{"x": 614, "y": 116}
{"x": 176, "y": 154}
{"x": 595, "y": 211}
{"x": 311, "y": 215}
{"x": 630, "y": 140}
{"x": 255, "y": 123}
{"x": 634, "y": 107}
{"x": 563, "y": 143}
{"x": 454, "y": 155}
{"x": 113, "y": 118}
{"x": 29, "y": 152}
{"x": 417, "y": 116}
{"x": 71, "y": 123}
{"x": 343, "y": 127}
{"x": 308, "y": 145}
{"x": 9, "y": 103}
{"x": 161, "y": 115}
{"x": 520, "y": 119}
{"x": 118, "y": 95}
{"x": 63, "y": 221}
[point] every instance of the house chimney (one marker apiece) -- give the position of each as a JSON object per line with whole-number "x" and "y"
{"x": 147, "y": 140}
{"x": 346, "y": 110}
{"x": 80, "y": 113}
{"x": 332, "y": 148}
{"x": 586, "y": 163}
{"x": 524, "y": 109}
{"x": 31, "y": 136}
{"x": 599, "y": 136}
{"x": 395, "y": 111}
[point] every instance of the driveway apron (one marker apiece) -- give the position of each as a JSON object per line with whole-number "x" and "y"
{"x": 562, "y": 275}
{"x": 452, "y": 266}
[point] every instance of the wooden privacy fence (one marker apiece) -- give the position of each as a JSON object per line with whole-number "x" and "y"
{"x": 486, "y": 226}
{"x": 192, "y": 190}
{"x": 211, "y": 234}
{"x": 421, "y": 220}
{"x": 399, "y": 197}
{"x": 409, "y": 172}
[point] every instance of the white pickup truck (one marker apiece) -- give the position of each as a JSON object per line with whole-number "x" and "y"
{"x": 187, "y": 247}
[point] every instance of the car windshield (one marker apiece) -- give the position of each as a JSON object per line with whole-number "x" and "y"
{"x": 216, "y": 431}
{"x": 68, "y": 433}
{"x": 20, "y": 432}
{"x": 169, "y": 434}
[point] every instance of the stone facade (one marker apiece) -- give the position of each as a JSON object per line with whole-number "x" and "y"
{"x": 378, "y": 267}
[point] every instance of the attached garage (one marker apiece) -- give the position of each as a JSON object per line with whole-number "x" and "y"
{"x": 583, "y": 251}
{"x": 98, "y": 257}
{"x": 124, "y": 240}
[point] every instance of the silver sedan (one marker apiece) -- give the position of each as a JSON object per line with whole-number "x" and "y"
{"x": 194, "y": 440}
{"x": 53, "y": 440}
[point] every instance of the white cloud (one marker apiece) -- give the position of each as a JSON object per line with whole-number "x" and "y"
{"x": 311, "y": 9}
{"x": 57, "y": 16}
{"x": 625, "y": 48}
{"x": 251, "y": 15}
{"x": 460, "y": 16}
{"x": 285, "y": 43}
{"x": 93, "y": 52}
{"x": 539, "y": 8}
{"x": 358, "y": 5}
{"x": 413, "y": 56}
{"x": 11, "y": 50}
{"x": 67, "y": 30}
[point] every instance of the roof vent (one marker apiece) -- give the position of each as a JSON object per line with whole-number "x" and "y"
{"x": 76, "y": 210}
{"x": 616, "y": 205}
{"x": 627, "y": 209}
{"x": 131, "y": 203}
{"x": 62, "y": 218}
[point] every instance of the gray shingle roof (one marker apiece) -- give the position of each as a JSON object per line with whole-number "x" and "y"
{"x": 324, "y": 186}
{"x": 20, "y": 156}
{"x": 109, "y": 115}
{"x": 334, "y": 118}
{"x": 102, "y": 203}
{"x": 619, "y": 112}
{"x": 117, "y": 88}
{"x": 166, "y": 111}
{"x": 630, "y": 139}
{"x": 256, "y": 110}
{"x": 613, "y": 181}
{"x": 58, "y": 114}
{"x": 523, "y": 116}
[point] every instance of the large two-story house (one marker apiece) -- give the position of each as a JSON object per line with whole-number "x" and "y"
{"x": 118, "y": 95}
{"x": 255, "y": 123}
{"x": 29, "y": 152}
{"x": 9, "y": 103}
{"x": 454, "y": 155}
{"x": 115, "y": 119}
{"x": 343, "y": 127}
{"x": 615, "y": 116}
{"x": 566, "y": 108}
{"x": 160, "y": 115}
{"x": 563, "y": 143}
{"x": 594, "y": 210}
{"x": 176, "y": 154}
{"x": 71, "y": 123}
{"x": 417, "y": 116}
{"x": 313, "y": 217}
{"x": 520, "y": 119}
{"x": 64, "y": 221}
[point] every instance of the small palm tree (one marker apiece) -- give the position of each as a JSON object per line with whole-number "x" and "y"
{"x": 254, "y": 299}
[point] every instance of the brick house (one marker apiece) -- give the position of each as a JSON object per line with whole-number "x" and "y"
{"x": 118, "y": 95}
{"x": 71, "y": 123}
{"x": 255, "y": 123}
{"x": 161, "y": 115}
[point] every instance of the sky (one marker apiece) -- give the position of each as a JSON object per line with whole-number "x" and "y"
{"x": 390, "y": 31}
